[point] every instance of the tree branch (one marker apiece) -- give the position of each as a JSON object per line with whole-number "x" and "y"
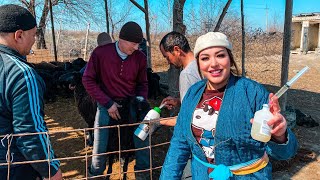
{"x": 224, "y": 11}
{"x": 138, "y": 6}
{"x": 25, "y": 3}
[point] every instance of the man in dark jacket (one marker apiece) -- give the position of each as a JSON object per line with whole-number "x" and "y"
{"x": 115, "y": 73}
{"x": 21, "y": 102}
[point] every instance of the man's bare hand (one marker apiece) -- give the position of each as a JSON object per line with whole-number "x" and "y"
{"x": 171, "y": 102}
{"x": 113, "y": 111}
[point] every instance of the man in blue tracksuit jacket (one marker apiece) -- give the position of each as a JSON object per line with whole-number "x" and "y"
{"x": 21, "y": 102}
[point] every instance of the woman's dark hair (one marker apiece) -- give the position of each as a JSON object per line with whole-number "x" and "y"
{"x": 234, "y": 68}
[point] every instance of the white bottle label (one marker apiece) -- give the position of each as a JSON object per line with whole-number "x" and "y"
{"x": 265, "y": 128}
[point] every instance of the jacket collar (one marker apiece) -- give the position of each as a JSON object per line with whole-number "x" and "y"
{"x": 10, "y": 51}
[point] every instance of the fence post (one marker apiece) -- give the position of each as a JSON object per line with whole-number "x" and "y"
{"x": 243, "y": 69}
{"x": 86, "y": 43}
{"x": 286, "y": 50}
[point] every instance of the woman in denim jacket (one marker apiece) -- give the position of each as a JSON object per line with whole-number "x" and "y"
{"x": 214, "y": 122}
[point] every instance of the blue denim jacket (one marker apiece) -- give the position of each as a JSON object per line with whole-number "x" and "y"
{"x": 234, "y": 144}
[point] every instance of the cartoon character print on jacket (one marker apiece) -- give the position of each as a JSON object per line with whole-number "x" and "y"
{"x": 204, "y": 123}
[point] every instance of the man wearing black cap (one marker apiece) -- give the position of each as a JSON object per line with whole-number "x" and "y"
{"x": 116, "y": 72}
{"x": 21, "y": 102}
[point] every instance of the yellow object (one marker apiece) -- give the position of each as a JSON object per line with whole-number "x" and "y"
{"x": 254, "y": 167}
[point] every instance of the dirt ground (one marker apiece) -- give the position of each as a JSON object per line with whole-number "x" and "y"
{"x": 304, "y": 95}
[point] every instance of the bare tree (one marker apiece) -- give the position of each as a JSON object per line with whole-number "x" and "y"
{"x": 156, "y": 27}
{"x": 120, "y": 12}
{"x": 166, "y": 12}
{"x": 178, "y": 16}
{"x": 276, "y": 25}
{"x": 79, "y": 9}
{"x": 202, "y": 20}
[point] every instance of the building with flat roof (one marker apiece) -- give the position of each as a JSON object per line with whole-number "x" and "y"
{"x": 306, "y": 32}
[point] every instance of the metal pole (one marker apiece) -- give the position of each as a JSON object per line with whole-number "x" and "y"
{"x": 148, "y": 33}
{"x": 52, "y": 31}
{"x": 267, "y": 29}
{"x": 243, "y": 42}
{"x": 286, "y": 50}
{"x": 86, "y": 43}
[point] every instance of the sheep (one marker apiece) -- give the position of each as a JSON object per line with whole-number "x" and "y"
{"x": 45, "y": 71}
{"x": 57, "y": 76}
{"x": 153, "y": 84}
{"x": 133, "y": 110}
{"x": 87, "y": 106}
{"x": 51, "y": 86}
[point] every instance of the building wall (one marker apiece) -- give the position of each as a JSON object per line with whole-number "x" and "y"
{"x": 296, "y": 35}
{"x": 313, "y": 36}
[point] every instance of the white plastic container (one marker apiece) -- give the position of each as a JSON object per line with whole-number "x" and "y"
{"x": 260, "y": 130}
{"x": 143, "y": 130}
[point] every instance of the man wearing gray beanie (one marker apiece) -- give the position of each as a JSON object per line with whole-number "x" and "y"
{"x": 115, "y": 74}
{"x": 21, "y": 102}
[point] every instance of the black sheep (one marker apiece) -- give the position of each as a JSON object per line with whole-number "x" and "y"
{"x": 153, "y": 84}
{"x": 78, "y": 64}
{"x": 64, "y": 80}
{"x": 51, "y": 86}
{"x": 87, "y": 107}
{"x": 45, "y": 71}
{"x": 132, "y": 110}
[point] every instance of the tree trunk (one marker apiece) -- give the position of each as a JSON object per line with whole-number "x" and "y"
{"x": 107, "y": 15}
{"x": 40, "y": 40}
{"x": 178, "y": 26}
{"x": 53, "y": 33}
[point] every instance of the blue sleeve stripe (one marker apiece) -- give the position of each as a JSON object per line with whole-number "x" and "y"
{"x": 35, "y": 108}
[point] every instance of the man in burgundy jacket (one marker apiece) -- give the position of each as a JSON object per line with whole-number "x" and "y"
{"x": 116, "y": 72}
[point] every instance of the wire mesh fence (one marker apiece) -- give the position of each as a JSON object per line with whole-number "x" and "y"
{"x": 6, "y": 141}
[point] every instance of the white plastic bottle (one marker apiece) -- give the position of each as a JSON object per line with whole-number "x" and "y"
{"x": 143, "y": 130}
{"x": 260, "y": 130}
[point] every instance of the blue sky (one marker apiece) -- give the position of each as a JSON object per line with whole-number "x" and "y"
{"x": 254, "y": 11}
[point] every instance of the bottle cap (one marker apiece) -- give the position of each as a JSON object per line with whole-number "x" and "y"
{"x": 265, "y": 106}
{"x": 157, "y": 109}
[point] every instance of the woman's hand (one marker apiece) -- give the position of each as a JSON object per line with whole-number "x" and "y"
{"x": 278, "y": 122}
